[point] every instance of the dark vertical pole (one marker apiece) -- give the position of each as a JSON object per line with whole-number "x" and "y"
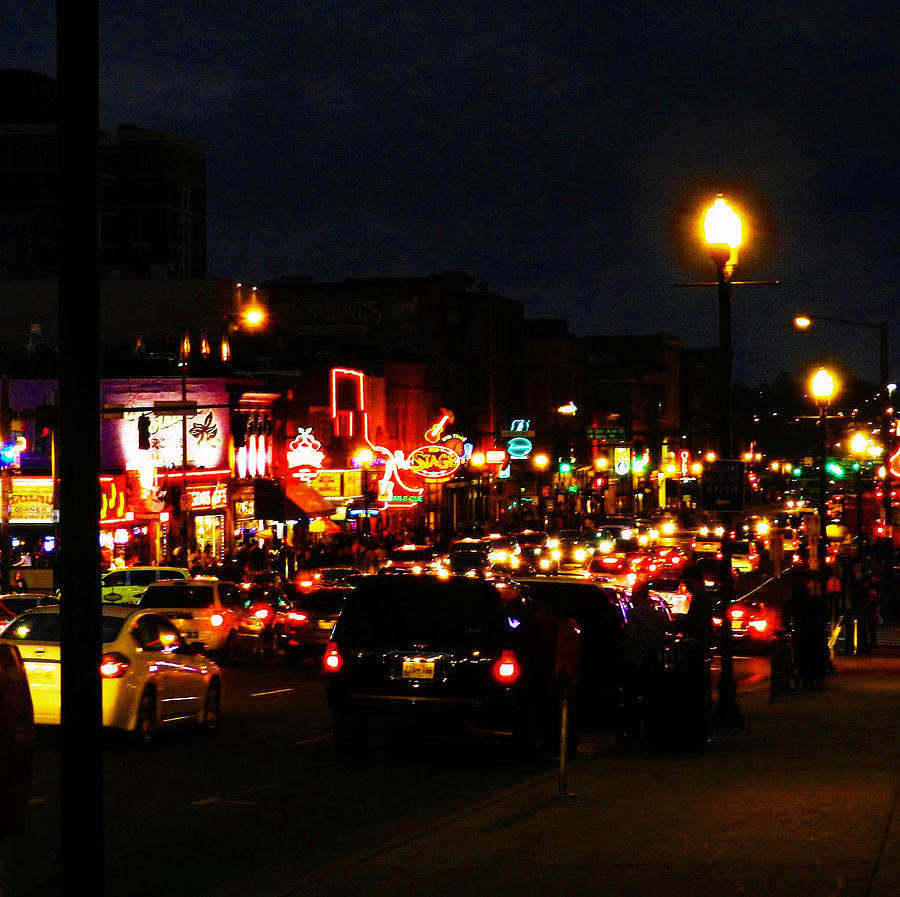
{"x": 81, "y": 821}
{"x": 5, "y": 488}
{"x": 823, "y": 506}
{"x": 888, "y": 572}
{"x": 727, "y": 712}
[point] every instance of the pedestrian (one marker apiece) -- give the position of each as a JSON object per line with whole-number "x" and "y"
{"x": 645, "y": 631}
{"x": 806, "y": 618}
{"x": 18, "y": 582}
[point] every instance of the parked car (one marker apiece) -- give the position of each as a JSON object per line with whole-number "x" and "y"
{"x": 753, "y": 624}
{"x": 567, "y": 553}
{"x": 470, "y": 559}
{"x": 310, "y": 620}
{"x": 126, "y": 586}
{"x": 744, "y": 556}
{"x": 210, "y": 612}
{"x": 150, "y": 677}
{"x": 411, "y": 559}
{"x": 673, "y": 592}
{"x": 14, "y": 603}
{"x": 329, "y": 576}
{"x": 421, "y": 655}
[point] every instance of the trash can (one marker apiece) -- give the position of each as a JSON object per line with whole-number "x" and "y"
{"x": 676, "y": 697}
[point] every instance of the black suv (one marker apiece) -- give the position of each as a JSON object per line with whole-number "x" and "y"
{"x": 440, "y": 656}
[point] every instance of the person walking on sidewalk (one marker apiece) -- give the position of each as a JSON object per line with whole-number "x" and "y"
{"x": 805, "y": 616}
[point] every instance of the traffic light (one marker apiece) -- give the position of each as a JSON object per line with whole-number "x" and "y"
{"x": 599, "y": 483}
{"x": 143, "y": 432}
{"x": 565, "y": 467}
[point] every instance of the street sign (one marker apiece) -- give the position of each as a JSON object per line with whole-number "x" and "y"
{"x": 607, "y": 434}
{"x": 723, "y": 486}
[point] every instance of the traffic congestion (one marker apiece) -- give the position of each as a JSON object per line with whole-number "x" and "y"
{"x": 525, "y": 587}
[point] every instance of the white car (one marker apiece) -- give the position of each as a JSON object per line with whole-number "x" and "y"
{"x": 211, "y": 612}
{"x": 673, "y": 592}
{"x": 150, "y": 677}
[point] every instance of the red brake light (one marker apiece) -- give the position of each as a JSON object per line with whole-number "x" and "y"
{"x": 332, "y": 661}
{"x": 507, "y": 669}
{"x": 262, "y": 613}
{"x": 113, "y": 666}
{"x": 216, "y": 620}
{"x": 297, "y": 616}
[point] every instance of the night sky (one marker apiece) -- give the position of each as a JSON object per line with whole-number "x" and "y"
{"x": 559, "y": 151}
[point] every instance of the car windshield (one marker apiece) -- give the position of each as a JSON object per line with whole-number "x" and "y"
{"x": 41, "y": 627}
{"x": 177, "y": 596}
{"x": 403, "y": 612}
{"x": 19, "y": 605}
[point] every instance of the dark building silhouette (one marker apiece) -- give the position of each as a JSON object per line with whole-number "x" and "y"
{"x": 152, "y": 192}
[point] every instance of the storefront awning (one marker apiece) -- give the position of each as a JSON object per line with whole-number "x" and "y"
{"x": 307, "y": 499}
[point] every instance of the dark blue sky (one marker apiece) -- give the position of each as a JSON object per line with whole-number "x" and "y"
{"x": 556, "y": 150}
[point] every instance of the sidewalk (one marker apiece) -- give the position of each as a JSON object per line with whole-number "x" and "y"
{"x": 802, "y": 801}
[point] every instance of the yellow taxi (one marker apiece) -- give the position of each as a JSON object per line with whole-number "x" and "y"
{"x": 150, "y": 677}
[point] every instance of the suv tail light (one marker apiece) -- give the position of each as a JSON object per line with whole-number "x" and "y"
{"x": 114, "y": 665}
{"x": 216, "y": 620}
{"x": 262, "y": 613}
{"x": 297, "y": 616}
{"x": 332, "y": 661}
{"x": 507, "y": 669}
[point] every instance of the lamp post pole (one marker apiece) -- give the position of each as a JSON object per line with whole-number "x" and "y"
{"x": 888, "y": 571}
{"x": 823, "y": 504}
{"x": 822, "y": 387}
{"x": 723, "y": 233}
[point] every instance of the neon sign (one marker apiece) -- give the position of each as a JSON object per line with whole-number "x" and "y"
{"x": 434, "y": 462}
{"x": 304, "y": 457}
{"x": 894, "y": 463}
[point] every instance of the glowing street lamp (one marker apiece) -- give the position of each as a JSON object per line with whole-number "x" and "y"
{"x": 822, "y": 386}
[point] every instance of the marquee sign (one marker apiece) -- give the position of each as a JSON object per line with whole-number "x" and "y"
{"x": 304, "y": 457}
{"x": 206, "y": 498}
{"x": 434, "y": 462}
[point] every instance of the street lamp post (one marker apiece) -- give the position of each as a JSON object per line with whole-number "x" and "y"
{"x": 804, "y": 322}
{"x": 722, "y": 227}
{"x": 859, "y": 445}
{"x": 823, "y": 389}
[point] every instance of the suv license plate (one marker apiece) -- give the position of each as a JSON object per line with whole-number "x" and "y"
{"x": 418, "y": 669}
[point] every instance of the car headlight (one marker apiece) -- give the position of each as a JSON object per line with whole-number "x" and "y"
{"x": 580, "y": 554}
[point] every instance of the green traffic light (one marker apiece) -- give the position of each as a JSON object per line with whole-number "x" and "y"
{"x": 835, "y": 469}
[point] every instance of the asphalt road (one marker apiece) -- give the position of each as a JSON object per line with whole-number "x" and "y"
{"x": 264, "y": 800}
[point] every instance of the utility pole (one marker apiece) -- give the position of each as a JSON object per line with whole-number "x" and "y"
{"x": 5, "y": 487}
